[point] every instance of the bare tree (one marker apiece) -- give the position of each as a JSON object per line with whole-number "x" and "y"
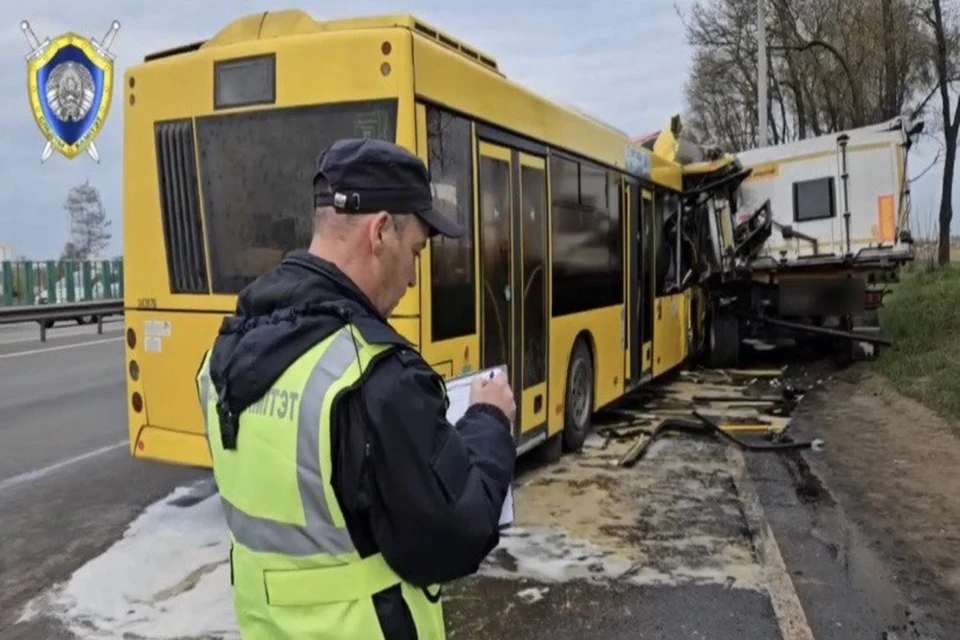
{"x": 942, "y": 19}
{"x": 826, "y": 70}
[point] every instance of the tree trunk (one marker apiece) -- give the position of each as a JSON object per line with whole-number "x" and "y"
{"x": 946, "y": 199}
{"x": 784, "y": 123}
{"x": 890, "y": 95}
{"x": 798, "y": 99}
{"x": 951, "y": 126}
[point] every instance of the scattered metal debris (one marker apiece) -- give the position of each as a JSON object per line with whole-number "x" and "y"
{"x": 710, "y": 403}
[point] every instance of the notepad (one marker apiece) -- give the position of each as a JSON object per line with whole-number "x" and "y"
{"x": 458, "y": 392}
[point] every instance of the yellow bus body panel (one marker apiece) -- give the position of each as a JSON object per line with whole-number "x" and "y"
{"x": 423, "y": 65}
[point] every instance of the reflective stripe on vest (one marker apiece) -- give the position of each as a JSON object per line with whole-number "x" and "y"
{"x": 324, "y": 530}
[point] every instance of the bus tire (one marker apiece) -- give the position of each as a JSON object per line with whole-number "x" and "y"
{"x": 578, "y": 401}
{"x": 724, "y": 340}
{"x": 551, "y": 451}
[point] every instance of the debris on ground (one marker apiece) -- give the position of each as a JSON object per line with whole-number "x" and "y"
{"x": 708, "y": 402}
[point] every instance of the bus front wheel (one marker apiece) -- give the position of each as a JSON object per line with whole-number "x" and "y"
{"x": 579, "y": 398}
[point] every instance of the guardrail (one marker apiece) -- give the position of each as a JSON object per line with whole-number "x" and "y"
{"x": 46, "y": 314}
{"x": 51, "y": 291}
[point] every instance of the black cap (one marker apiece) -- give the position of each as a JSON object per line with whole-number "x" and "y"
{"x": 359, "y": 175}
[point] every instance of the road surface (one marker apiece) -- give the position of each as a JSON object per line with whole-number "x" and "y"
{"x": 68, "y": 486}
{"x": 723, "y": 544}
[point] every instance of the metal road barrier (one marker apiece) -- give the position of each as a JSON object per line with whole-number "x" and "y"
{"x": 46, "y": 314}
{"x": 84, "y": 291}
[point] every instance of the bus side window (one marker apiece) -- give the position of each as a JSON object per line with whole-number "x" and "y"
{"x": 452, "y": 277}
{"x": 587, "y": 243}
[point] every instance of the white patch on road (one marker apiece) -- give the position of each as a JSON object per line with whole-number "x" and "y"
{"x": 168, "y": 577}
{"x": 36, "y": 474}
{"x": 550, "y": 556}
{"x": 533, "y": 594}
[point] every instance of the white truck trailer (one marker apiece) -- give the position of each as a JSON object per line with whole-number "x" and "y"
{"x": 799, "y": 241}
{"x": 846, "y": 191}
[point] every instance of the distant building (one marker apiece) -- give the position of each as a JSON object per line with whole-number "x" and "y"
{"x": 6, "y": 253}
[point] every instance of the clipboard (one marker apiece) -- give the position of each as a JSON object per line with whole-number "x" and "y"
{"x": 458, "y": 393}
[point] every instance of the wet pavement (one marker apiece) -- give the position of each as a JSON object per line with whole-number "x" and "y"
{"x": 699, "y": 538}
{"x": 845, "y": 586}
{"x": 491, "y": 608}
{"x": 662, "y": 549}
{"x": 869, "y": 527}
{"x": 685, "y": 536}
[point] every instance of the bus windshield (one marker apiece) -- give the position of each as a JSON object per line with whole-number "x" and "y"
{"x": 255, "y": 170}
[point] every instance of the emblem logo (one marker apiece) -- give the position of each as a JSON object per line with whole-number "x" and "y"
{"x": 70, "y": 86}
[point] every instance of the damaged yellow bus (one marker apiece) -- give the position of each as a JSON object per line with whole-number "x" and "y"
{"x": 565, "y": 274}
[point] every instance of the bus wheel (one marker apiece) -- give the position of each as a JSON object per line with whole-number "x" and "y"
{"x": 724, "y": 340}
{"x": 579, "y": 401}
{"x": 551, "y": 451}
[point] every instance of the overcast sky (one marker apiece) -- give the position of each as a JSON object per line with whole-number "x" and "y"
{"x": 623, "y": 60}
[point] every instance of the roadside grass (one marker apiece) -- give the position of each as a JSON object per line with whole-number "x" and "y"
{"x": 922, "y": 317}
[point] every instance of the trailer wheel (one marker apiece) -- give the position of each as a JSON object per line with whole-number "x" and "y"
{"x": 724, "y": 340}
{"x": 578, "y": 404}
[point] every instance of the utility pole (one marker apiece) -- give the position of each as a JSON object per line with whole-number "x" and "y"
{"x": 762, "y": 73}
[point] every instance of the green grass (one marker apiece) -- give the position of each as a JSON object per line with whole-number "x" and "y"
{"x": 922, "y": 317}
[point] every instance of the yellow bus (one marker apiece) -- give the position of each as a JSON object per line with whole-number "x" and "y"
{"x": 565, "y": 274}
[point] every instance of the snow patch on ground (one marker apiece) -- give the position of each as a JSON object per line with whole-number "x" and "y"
{"x": 168, "y": 577}
{"x": 550, "y": 556}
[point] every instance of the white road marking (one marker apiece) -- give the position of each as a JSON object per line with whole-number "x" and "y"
{"x": 60, "y": 348}
{"x": 786, "y": 603}
{"x": 45, "y": 471}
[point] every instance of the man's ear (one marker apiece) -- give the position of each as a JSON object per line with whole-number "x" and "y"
{"x": 378, "y": 229}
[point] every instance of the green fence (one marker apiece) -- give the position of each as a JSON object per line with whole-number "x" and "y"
{"x": 59, "y": 281}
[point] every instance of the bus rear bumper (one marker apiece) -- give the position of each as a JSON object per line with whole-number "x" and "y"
{"x": 172, "y": 447}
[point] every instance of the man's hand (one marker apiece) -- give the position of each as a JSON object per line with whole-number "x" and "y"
{"x": 495, "y": 391}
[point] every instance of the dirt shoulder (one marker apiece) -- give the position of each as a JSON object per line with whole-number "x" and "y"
{"x": 893, "y": 466}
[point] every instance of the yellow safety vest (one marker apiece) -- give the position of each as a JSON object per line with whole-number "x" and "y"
{"x": 296, "y": 573}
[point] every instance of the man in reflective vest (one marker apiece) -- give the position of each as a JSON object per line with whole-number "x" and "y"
{"x": 348, "y": 495}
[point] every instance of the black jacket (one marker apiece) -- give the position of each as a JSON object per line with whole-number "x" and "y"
{"x": 423, "y": 492}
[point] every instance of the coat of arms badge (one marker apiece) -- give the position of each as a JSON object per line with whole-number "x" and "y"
{"x": 70, "y": 86}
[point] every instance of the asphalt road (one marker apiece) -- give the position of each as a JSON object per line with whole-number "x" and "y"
{"x": 68, "y": 486}
{"x": 69, "y": 489}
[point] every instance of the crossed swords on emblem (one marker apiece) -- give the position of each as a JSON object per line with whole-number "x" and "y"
{"x": 38, "y": 49}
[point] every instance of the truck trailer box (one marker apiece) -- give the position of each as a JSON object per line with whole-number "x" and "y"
{"x": 847, "y": 191}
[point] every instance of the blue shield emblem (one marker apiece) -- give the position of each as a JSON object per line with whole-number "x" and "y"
{"x": 70, "y": 85}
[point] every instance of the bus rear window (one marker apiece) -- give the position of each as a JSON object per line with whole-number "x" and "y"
{"x": 256, "y": 170}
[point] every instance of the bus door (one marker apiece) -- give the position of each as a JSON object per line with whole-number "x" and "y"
{"x": 635, "y": 294}
{"x": 513, "y": 309}
{"x": 670, "y": 325}
{"x": 648, "y": 285}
